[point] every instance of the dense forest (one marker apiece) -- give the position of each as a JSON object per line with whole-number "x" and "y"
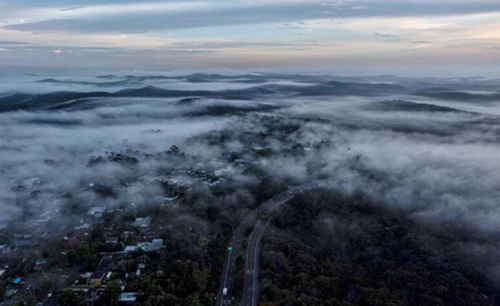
{"x": 330, "y": 249}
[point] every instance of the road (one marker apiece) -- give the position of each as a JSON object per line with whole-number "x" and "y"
{"x": 251, "y": 288}
{"x": 233, "y": 250}
{"x": 234, "y": 247}
{"x": 253, "y": 219}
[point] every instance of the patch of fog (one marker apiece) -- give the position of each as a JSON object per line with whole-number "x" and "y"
{"x": 29, "y": 139}
{"x": 492, "y": 108}
{"x": 436, "y": 178}
{"x": 220, "y": 86}
{"x": 210, "y": 86}
{"x": 478, "y": 92}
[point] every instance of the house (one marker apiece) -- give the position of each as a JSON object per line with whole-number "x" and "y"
{"x": 29, "y": 183}
{"x": 156, "y": 245}
{"x": 96, "y": 211}
{"x": 90, "y": 296}
{"x": 44, "y": 218}
{"x": 26, "y": 235}
{"x": 71, "y": 243}
{"x": 97, "y": 278}
{"x": 119, "y": 265}
{"x": 41, "y": 263}
{"x": 83, "y": 226}
{"x": 127, "y": 298}
{"x": 142, "y": 222}
{"x": 28, "y": 243}
{"x": 178, "y": 189}
{"x": 9, "y": 292}
{"x": 4, "y": 249}
{"x": 83, "y": 231}
{"x": 106, "y": 262}
{"x": 153, "y": 246}
{"x": 143, "y": 246}
{"x": 112, "y": 240}
{"x": 130, "y": 248}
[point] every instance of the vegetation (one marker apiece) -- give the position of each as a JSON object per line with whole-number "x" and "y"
{"x": 329, "y": 249}
{"x": 27, "y": 301}
{"x": 68, "y": 297}
{"x": 110, "y": 296}
{"x": 6, "y": 237}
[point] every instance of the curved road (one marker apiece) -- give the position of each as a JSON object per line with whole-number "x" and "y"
{"x": 224, "y": 296}
{"x": 251, "y": 292}
{"x": 251, "y": 289}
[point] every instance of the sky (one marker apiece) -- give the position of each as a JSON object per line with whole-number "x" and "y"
{"x": 427, "y": 37}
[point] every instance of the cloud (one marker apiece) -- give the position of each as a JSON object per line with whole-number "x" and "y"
{"x": 361, "y": 7}
{"x": 11, "y": 43}
{"x": 255, "y": 34}
{"x": 192, "y": 14}
{"x": 223, "y": 44}
{"x": 492, "y": 48}
{"x": 383, "y": 35}
{"x": 73, "y": 8}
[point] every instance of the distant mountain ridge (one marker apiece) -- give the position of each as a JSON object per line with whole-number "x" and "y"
{"x": 61, "y": 99}
{"x": 57, "y": 99}
{"x": 407, "y": 106}
{"x": 459, "y": 95}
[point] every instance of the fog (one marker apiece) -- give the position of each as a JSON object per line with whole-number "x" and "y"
{"x": 29, "y": 139}
{"x": 435, "y": 160}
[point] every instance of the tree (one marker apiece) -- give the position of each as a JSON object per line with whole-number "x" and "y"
{"x": 3, "y": 287}
{"x": 111, "y": 295}
{"x": 6, "y": 237}
{"x": 201, "y": 278}
{"x": 27, "y": 301}
{"x": 68, "y": 297}
{"x": 193, "y": 300}
{"x": 82, "y": 254}
{"x": 46, "y": 286}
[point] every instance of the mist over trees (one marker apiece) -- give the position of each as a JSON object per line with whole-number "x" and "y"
{"x": 409, "y": 217}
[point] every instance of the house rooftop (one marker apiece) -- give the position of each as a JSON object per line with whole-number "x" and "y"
{"x": 142, "y": 222}
{"x": 71, "y": 243}
{"x": 96, "y": 211}
{"x": 130, "y": 248}
{"x": 127, "y": 297}
{"x": 98, "y": 275}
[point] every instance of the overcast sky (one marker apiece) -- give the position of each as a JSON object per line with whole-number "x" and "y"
{"x": 282, "y": 34}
